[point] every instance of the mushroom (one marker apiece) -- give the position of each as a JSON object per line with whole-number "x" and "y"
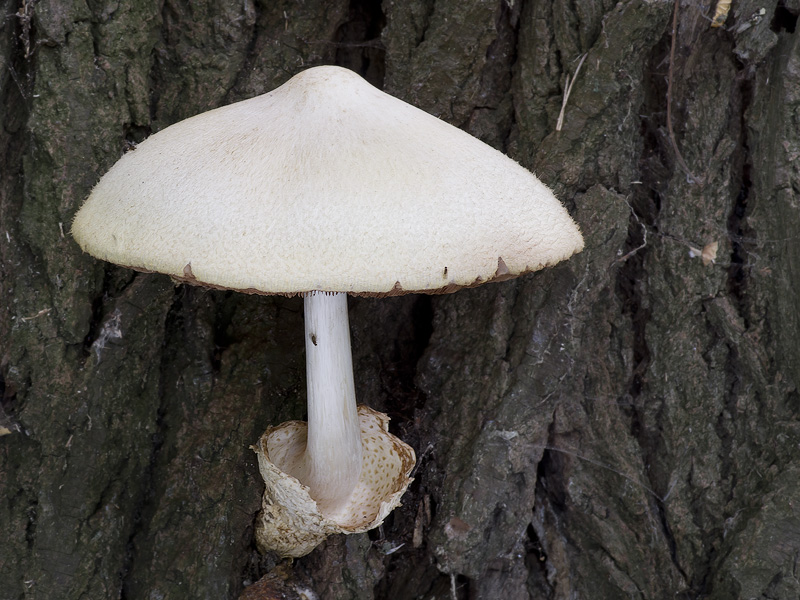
{"x": 324, "y": 187}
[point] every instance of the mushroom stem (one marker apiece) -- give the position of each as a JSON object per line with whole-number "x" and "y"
{"x": 332, "y": 462}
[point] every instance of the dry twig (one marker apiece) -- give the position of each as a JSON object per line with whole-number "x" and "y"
{"x": 567, "y": 92}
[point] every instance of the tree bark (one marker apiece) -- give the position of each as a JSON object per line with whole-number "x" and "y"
{"x": 626, "y": 424}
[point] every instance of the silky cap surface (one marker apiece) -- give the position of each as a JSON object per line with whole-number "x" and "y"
{"x": 325, "y": 183}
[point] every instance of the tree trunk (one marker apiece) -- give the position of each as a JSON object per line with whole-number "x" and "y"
{"x": 626, "y": 424}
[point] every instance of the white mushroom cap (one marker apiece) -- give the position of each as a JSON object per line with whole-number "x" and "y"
{"x": 325, "y": 183}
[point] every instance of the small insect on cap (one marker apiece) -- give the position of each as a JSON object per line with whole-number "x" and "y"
{"x": 325, "y": 183}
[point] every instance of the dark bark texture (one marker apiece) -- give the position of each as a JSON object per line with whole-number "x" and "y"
{"x": 624, "y": 425}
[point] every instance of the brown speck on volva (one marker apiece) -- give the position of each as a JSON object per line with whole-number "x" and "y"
{"x": 363, "y": 170}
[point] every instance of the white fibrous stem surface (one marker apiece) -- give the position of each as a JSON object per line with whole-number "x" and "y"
{"x": 331, "y": 464}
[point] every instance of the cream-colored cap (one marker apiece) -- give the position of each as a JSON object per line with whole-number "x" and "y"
{"x": 325, "y": 183}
